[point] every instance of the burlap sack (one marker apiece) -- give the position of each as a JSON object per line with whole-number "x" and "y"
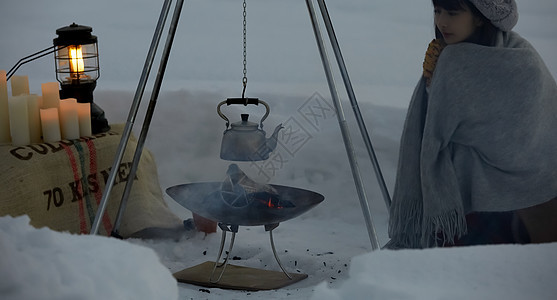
{"x": 60, "y": 185}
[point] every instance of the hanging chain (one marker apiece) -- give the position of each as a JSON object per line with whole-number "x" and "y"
{"x": 245, "y": 78}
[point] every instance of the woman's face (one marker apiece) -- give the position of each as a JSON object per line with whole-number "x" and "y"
{"x": 455, "y": 25}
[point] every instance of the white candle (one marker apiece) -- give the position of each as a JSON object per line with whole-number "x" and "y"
{"x": 4, "y": 115}
{"x": 19, "y": 120}
{"x": 84, "y": 114}
{"x": 20, "y": 85}
{"x": 51, "y": 95}
{"x": 33, "y": 110}
{"x": 50, "y": 125}
{"x": 69, "y": 120}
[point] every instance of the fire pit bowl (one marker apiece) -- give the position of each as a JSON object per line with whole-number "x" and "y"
{"x": 206, "y": 200}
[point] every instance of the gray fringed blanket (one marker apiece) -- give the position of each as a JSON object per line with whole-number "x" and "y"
{"x": 483, "y": 139}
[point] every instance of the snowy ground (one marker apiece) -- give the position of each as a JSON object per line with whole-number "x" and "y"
{"x": 383, "y": 44}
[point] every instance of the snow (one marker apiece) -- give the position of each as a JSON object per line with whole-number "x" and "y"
{"x": 523, "y": 272}
{"x": 383, "y": 44}
{"x": 45, "y": 264}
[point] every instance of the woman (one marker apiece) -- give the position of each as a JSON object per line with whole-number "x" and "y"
{"x": 478, "y": 157}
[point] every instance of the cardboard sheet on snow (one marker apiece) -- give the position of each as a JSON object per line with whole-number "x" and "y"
{"x": 237, "y": 277}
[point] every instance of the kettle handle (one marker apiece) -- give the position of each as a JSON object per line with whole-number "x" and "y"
{"x": 245, "y": 102}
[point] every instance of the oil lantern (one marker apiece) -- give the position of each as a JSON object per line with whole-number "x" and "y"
{"x": 77, "y": 69}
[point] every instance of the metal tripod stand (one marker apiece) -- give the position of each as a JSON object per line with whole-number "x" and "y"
{"x": 234, "y": 229}
{"x": 332, "y": 88}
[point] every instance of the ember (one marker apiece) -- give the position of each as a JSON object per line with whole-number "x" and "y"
{"x": 271, "y": 200}
{"x": 272, "y": 205}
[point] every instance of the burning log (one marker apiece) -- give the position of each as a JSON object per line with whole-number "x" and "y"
{"x": 238, "y": 190}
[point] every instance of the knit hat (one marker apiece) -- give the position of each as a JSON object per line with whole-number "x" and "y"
{"x": 503, "y": 14}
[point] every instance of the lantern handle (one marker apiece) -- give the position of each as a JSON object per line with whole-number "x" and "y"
{"x": 31, "y": 58}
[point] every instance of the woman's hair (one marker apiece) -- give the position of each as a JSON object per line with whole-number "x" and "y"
{"x": 484, "y": 35}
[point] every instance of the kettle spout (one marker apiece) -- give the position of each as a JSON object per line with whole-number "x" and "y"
{"x": 271, "y": 142}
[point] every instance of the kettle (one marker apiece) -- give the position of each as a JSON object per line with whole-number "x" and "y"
{"x": 245, "y": 140}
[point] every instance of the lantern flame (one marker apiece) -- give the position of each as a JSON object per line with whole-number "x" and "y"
{"x": 76, "y": 59}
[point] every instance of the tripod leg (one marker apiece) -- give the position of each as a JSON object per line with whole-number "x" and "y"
{"x": 221, "y": 248}
{"x": 225, "y": 263}
{"x": 354, "y": 102}
{"x": 276, "y": 256}
{"x": 131, "y": 116}
{"x": 343, "y": 128}
{"x": 149, "y": 113}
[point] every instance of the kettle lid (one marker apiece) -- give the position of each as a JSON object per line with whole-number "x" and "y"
{"x": 244, "y": 124}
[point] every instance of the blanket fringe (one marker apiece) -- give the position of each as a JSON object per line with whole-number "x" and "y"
{"x": 405, "y": 229}
{"x": 437, "y": 231}
{"x": 442, "y": 230}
